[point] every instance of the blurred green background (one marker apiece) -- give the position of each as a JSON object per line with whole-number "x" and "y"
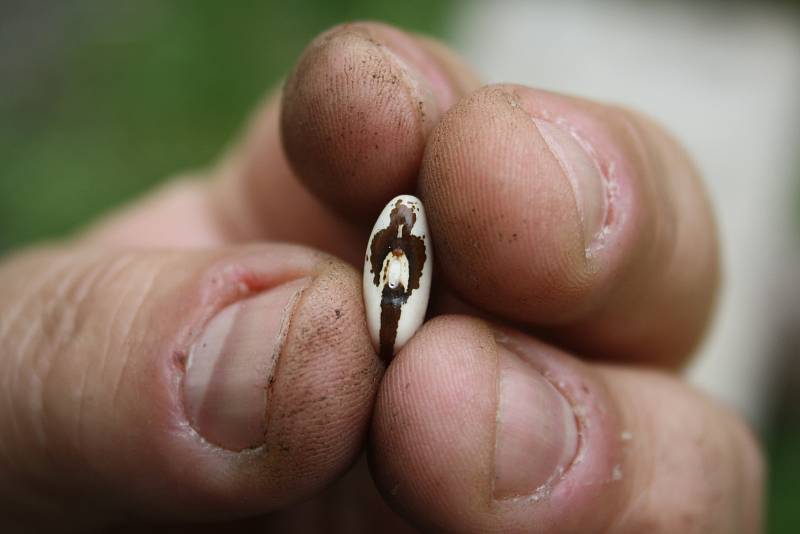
{"x": 99, "y": 102}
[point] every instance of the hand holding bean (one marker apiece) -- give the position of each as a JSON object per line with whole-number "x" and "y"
{"x": 206, "y": 353}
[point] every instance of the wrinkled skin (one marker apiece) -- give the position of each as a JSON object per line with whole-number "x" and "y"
{"x": 541, "y": 397}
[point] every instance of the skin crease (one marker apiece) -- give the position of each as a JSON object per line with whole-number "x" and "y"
{"x": 94, "y": 330}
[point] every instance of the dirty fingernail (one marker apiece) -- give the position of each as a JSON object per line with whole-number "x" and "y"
{"x": 587, "y": 182}
{"x": 537, "y": 435}
{"x": 230, "y": 364}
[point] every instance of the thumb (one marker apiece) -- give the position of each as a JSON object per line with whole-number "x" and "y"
{"x": 184, "y": 385}
{"x": 480, "y": 430}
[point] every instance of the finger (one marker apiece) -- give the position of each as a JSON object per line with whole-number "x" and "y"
{"x": 357, "y": 111}
{"x": 178, "y": 215}
{"x": 187, "y": 385}
{"x": 353, "y": 117}
{"x": 476, "y": 431}
{"x": 586, "y": 218}
{"x": 351, "y": 505}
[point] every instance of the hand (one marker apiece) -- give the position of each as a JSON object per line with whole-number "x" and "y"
{"x": 156, "y": 369}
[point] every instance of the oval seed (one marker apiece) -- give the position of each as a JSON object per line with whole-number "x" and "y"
{"x": 397, "y": 274}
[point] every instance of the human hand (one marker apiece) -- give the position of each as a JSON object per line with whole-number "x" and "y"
{"x": 157, "y": 369}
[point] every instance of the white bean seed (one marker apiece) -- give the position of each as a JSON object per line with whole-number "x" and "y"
{"x": 398, "y": 266}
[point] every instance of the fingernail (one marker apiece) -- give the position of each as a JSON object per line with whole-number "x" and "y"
{"x": 537, "y": 435}
{"x": 230, "y": 365}
{"x": 587, "y": 182}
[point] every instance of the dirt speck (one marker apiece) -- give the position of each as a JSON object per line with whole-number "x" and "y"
{"x": 180, "y": 358}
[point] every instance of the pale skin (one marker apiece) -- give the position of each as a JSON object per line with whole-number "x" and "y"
{"x": 582, "y": 298}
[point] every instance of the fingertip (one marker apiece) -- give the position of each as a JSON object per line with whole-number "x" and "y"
{"x": 317, "y": 391}
{"x": 496, "y": 192}
{"x": 325, "y": 386}
{"x": 572, "y": 215}
{"x": 356, "y": 111}
{"x": 432, "y": 433}
{"x": 190, "y": 385}
{"x": 476, "y": 430}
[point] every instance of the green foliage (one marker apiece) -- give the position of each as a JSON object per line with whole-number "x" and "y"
{"x": 784, "y": 480}
{"x": 103, "y": 100}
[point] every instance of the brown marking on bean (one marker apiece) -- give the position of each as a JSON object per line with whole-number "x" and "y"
{"x": 390, "y": 318}
{"x": 386, "y": 242}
